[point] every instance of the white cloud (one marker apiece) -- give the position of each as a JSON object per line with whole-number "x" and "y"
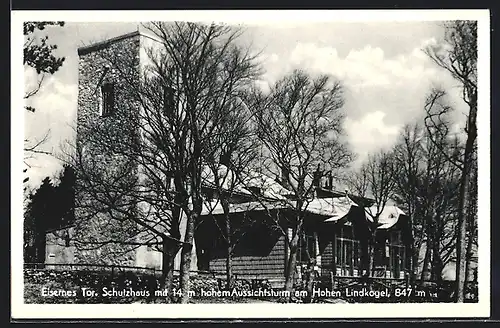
{"x": 55, "y": 114}
{"x": 382, "y": 93}
{"x": 40, "y": 167}
{"x": 55, "y": 110}
{"x": 367, "y": 66}
{"x": 370, "y": 133}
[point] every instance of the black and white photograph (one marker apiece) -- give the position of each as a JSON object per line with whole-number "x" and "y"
{"x": 282, "y": 163}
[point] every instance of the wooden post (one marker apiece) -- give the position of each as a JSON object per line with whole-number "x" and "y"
{"x": 334, "y": 252}
{"x": 352, "y": 257}
{"x": 342, "y": 251}
{"x": 391, "y": 254}
{"x": 317, "y": 255}
{"x": 286, "y": 250}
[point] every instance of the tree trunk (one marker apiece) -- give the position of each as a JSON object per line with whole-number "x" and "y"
{"x": 461, "y": 245}
{"x": 429, "y": 245}
{"x": 436, "y": 267}
{"x": 170, "y": 250}
{"x": 472, "y": 229}
{"x": 414, "y": 264}
{"x": 468, "y": 258}
{"x": 292, "y": 257}
{"x": 468, "y": 254}
{"x": 229, "y": 255}
{"x": 229, "y": 268}
{"x": 462, "y": 223}
{"x": 186, "y": 253}
{"x": 310, "y": 279}
{"x": 292, "y": 264}
{"x": 436, "y": 262}
{"x": 414, "y": 251}
{"x": 427, "y": 258}
{"x": 229, "y": 258}
{"x": 371, "y": 253}
{"x": 167, "y": 269}
{"x": 40, "y": 245}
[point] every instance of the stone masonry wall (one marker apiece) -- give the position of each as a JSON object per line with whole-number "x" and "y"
{"x": 117, "y": 62}
{"x": 120, "y": 61}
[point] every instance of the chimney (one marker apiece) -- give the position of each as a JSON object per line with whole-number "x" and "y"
{"x": 285, "y": 175}
{"x": 330, "y": 180}
{"x": 317, "y": 177}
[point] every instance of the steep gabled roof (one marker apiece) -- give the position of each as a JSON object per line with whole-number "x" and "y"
{"x": 215, "y": 207}
{"x": 228, "y": 181}
{"x": 388, "y": 218}
{"x": 331, "y": 204}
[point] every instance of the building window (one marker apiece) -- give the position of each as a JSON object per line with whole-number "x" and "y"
{"x": 107, "y": 99}
{"x": 169, "y": 182}
{"x": 307, "y": 247}
{"x": 347, "y": 257}
{"x": 168, "y": 99}
{"x": 397, "y": 255}
{"x": 389, "y": 255}
{"x": 381, "y": 254}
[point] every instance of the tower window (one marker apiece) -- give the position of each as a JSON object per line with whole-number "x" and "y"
{"x": 108, "y": 99}
{"x": 67, "y": 239}
{"x": 168, "y": 99}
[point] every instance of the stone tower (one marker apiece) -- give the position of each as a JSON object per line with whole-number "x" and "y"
{"x": 108, "y": 72}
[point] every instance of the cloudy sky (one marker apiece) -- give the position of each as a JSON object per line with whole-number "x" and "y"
{"x": 381, "y": 64}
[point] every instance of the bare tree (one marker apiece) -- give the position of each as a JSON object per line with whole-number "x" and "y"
{"x": 425, "y": 187}
{"x": 472, "y": 238}
{"x": 151, "y": 174}
{"x": 375, "y": 179}
{"x": 408, "y": 155}
{"x": 300, "y": 126}
{"x": 210, "y": 68}
{"x": 233, "y": 149}
{"x": 458, "y": 56}
{"x": 437, "y": 195}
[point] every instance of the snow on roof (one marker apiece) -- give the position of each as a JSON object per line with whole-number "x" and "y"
{"x": 226, "y": 179}
{"x": 334, "y": 208}
{"x": 388, "y": 218}
{"x": 215, "y": 208}
{"x": 342, "y": 206}
{"x": 268, "y": 186}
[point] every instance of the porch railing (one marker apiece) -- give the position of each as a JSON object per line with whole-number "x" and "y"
{"x": 107, "y": 268}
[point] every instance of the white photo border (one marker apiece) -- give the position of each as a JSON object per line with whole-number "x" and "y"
{"x": 19, "y": 310}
